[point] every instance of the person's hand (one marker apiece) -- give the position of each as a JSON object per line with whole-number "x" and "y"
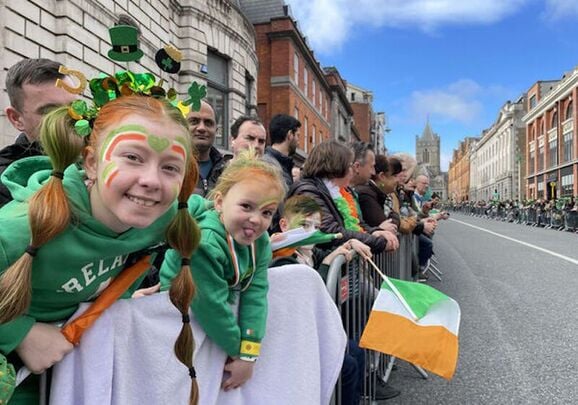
{"x": 276, "y": 237}
{"x": 388, "y": 225}
{"x": 240, "y": 372}
{"x": 43, "y": 347}
{"x": 429, "y": 227}
{"x": 344, "y": 250}
{"x": 361, "y": 248}
{"x": 392, "y": 241}
{"x": 143, "y": 292}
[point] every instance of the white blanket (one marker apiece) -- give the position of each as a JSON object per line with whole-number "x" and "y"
{"x": 127, "y": 356}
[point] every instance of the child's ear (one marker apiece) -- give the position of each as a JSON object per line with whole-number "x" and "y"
{"x": 283, "y": 224}
{"x": 218, "y": 202}
{"x": 90, "y": 162}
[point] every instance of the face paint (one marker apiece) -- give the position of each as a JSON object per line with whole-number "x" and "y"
{"x": 109, "y": 173}
{"x": 157, "y": 143}
{"x": 180, "y": 146}
{"x": 124, "y": 133}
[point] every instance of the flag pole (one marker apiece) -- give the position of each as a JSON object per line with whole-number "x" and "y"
{"x": 393, "y": 287}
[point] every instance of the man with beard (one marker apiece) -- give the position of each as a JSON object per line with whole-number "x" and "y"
{"x": 284, "y": 135}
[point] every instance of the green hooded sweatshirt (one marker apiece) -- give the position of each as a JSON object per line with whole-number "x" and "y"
{"x": 214, "y": 274}
{"x": 76, "y": 265}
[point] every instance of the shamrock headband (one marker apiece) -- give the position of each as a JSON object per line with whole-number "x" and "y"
{"x": 105, "y": 88}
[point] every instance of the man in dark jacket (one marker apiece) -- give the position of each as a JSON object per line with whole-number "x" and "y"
{"x": 203, "y": 128}
{"x": 284, "y": 135}
{"x": 32, "y": 92}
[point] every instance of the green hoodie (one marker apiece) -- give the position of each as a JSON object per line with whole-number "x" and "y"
{"x": 77, "y": 264}
{"x": 213, "y": 271}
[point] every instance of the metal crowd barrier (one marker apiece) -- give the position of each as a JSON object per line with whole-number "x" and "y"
{"x": 354, "y": 287}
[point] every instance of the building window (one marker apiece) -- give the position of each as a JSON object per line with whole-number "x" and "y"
{"x": 568, "y": 141}
{"x": 305, "y": 82}
{"x": 541, "y": 158}
{"x": 306, "y": 135}
{"x": 249, "y": 82}
{"x": 313, "y": 136}
{"x": 313, "y": 93}
{"x": 296, "y": 69}
{"x": 531, "y": 165}
{"x": 554, "y": 120}
{"x": 567, "y": 185}
{"x": 553, "y": 150}
{"x": 533, "y": 101}
{"x": 570, "y": 110}
{"x": 218, "y": 94}
{"x": 296, "y": 113}
{"x": 352, "y": 96}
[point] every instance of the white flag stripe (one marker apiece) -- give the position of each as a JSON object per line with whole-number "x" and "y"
{"x": 445, "y": 312}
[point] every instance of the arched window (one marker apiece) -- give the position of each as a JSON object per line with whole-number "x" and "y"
{"x": 570, "y": 110}
{"x": 554, "y": 120}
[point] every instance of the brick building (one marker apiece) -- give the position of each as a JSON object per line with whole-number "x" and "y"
{"x": 216, "y": 39}
{"x": 551, "y": 138}
{"x": 290, "y": 79}
{"x": 459, "y": 171}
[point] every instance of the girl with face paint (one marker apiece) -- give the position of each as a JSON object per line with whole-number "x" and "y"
{"x": 230, "y": 266}
{"x": 69, "y": 231}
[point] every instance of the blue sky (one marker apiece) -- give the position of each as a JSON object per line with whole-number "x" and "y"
{"x": 456, "y": 61}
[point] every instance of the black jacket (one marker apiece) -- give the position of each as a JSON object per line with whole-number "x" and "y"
{"x": 220, "y": 161}
{"x": 331, "y": 220}
{"x": 20, "y": 149}
{"x": 285, "y": 162}
{"x": 372, "y": 202}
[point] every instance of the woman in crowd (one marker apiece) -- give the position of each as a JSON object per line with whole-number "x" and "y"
{"x": 325, "y": 177}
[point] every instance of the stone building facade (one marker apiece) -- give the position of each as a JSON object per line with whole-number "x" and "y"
{"x": 497, "y": 162}
{"x": 342, "y": 127}
{"x": 427, "y": 151}
{"x": 216, "y": 40}
{"x": 552, "y": 140}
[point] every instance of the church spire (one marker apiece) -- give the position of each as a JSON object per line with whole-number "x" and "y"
{"x": 427, "y": 134}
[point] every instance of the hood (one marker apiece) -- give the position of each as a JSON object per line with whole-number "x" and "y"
{"x": 202, "y": 210}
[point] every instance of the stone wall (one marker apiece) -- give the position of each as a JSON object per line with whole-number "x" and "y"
{"x": 75, "y": 33}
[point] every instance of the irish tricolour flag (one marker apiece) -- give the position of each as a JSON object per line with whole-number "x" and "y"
{"x": 416, "y": 323}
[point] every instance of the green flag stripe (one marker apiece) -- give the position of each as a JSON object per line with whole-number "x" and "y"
{"x": 418, "y": 296}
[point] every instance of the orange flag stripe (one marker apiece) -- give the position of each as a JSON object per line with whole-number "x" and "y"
{"x": 432, "y": 347}
{"x": 74, "y": 330}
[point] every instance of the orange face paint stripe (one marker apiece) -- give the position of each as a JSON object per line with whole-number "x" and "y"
{"x": 119, "y": 138}
{"x": 180, "y": 150}
{"x": 111, "y": 178}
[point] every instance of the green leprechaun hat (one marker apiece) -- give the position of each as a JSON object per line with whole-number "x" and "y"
{"x": 124, "y": 39}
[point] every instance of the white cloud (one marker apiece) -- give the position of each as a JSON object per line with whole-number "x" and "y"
{"x": 456, "y": 102}
{"x": 328, "y": 23}
{"x": 560, "y": 9}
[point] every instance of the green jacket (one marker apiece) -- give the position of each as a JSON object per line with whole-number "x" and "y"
{"x": 77, "y": 264}
{"x": 213, "y": 271}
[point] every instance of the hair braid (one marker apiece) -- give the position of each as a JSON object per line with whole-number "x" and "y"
{"x": 48, "y": 211}
{"x": 183, "y": 235}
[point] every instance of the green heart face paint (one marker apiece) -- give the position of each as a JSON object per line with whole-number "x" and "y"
{"x": 157, "y": 143}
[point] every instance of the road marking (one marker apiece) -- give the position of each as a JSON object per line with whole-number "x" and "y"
{"x": 558, "y": 255}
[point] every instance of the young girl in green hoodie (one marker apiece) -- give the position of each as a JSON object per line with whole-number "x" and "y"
{"x": 68, "y": 232}
{"x": 230, "y": 265}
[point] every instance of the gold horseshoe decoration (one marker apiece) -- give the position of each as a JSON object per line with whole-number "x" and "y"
{"x": 79, "y": 75}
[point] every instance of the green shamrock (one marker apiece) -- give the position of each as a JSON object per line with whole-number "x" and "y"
{"x": 196, "y": 93}
{"x": 157, "y": 143}
{"x": 82, "y": 128}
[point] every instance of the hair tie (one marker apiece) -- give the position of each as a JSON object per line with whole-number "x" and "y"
{"x": 185, "y": 261}
{"x": 60, "y": 175}
{"x": 183, "y": 205}
{"x": 192, "y": 373}
{"x": 31, "y": 250}
{"x": 186, "y": 318}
